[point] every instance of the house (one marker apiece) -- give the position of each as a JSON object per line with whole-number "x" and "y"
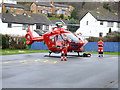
{"x": 15, "y": 9}
{"x": 98, "y": 23}
{"x": 63, "y": 9}
{"x": 9, "y": 1}
{"x": 15, "y": 24}
{"x": 51, "y": 8}
{"x": 41, "y": 8}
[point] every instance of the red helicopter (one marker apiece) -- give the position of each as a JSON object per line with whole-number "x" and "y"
{"x": 53, "y": 39}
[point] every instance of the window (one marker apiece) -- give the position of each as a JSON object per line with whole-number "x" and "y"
{"x": 44, "y": 7}
{"x": 46, "y": 27}
{"x": 24, "y": 27}
{"x": 110, "y": 24}
{"x": 49, "y": 7}
{"x": 59, "y": 11}
{"x": 15, "y": 8}
{"x": 101, "y": 22}
{"x": 57, "y": 7}
{"x": 87, "y": 23}
{"x": 21, "y": 9}
{"x": 38, "y": 6}
{"x": 44, "y": 11}
{"x": 7, "y": 7}
{"x": 100, "y": 34}
{"x": 38, "y": 26}
{"x": 118, "y": 25}
{"x": 64, "y": 12}
{"x": 9, "y": 25}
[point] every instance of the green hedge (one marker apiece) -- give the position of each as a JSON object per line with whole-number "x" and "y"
{"x": 12, "y": 42}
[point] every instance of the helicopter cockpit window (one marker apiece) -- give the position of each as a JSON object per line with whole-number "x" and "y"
{"x": 60, "y": 38}
{"x": 52, "y": 38}
{"x": 72, "y": 38}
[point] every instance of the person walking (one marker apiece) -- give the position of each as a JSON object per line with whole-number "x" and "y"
{"x": 100, "y": 48}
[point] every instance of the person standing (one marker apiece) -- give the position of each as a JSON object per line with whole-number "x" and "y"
{"x": 100, "y": 48}
{"x": 64, "y": 51}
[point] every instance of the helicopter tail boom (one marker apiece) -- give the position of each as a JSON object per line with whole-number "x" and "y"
{"x": 30, "y": 38}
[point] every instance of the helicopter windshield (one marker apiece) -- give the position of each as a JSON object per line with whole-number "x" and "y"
{"x": 71, "y": 37}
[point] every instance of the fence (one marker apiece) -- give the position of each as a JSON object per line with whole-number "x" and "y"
{"x": 91, "y": 46}
{"x": 108, "y": 46}
{"x": 39, "y": 46}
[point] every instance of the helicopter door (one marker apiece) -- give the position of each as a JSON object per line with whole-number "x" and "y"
{"x": 58, "y": 41}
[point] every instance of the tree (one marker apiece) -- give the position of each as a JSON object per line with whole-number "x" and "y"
{"x": 7, "y": 11}
{"x": 83, "y": 3}
{"x": 61, "y": 16}
{"x": 73, "y": 28}
{"x": 74, "y": 14}
{"x": 106, "y": 6}
{"x": 5, "y": 41}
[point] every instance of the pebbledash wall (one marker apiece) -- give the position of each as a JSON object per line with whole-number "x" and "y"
{"x": 90, "y": 46}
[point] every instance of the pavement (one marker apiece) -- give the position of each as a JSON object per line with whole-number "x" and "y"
{"x": 36, "y": 71}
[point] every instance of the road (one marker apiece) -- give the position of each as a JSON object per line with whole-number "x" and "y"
{"x": 37, "y": 71}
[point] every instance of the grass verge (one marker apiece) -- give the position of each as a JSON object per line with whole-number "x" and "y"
{"x": 18, "y": 51}
{"x": 109, "y": 53}
{"x": 25, "y": 51}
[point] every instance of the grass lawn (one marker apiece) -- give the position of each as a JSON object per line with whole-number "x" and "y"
{"x": 53, "y": 18}
{"x": 19, "y": 51}
{"x": 109, "y": 53}
{"x": 23, "y": 51}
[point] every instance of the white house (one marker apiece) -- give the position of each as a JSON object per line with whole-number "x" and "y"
{"x": 9, "y": 1}
{"x": 98, "y": 23}
{"x": 14, "y": 25}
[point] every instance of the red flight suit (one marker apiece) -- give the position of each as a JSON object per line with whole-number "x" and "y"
{"x": 100, "y": 48}
{"x": 64, "y": 50}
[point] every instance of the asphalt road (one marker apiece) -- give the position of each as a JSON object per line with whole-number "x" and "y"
{"x": 37, "y": 71}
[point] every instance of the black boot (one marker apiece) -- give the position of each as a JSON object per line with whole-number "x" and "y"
{"x": 61, "y": 59}
{"x": 65, "y": 60}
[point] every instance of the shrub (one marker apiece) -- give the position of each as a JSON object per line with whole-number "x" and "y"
{"x": 10, "y": 42}
{"x": 71, "y": 27}
{"x": 17, "y": 43}
{"x": 111, "y": 37}
{"x": 5, "y": 41}
{"x": 61, "y": 16}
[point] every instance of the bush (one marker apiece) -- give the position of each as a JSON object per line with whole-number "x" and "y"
{"x": 17, "y": 43}
{"x": 106, "y": 6}
{"x": 61, "y": 16}
{"x": 10, "y": 42}
{"x": 111, "y": 37}
{"x": 5, "y": 41}
{"x": 73, "y": 28}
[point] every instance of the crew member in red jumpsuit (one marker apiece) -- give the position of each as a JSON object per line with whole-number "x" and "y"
{"x": 64, "y": 50}
{"x": 100, "y": 48}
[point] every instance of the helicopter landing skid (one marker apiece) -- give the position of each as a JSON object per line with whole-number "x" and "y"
{"x": 84, "y": 55}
